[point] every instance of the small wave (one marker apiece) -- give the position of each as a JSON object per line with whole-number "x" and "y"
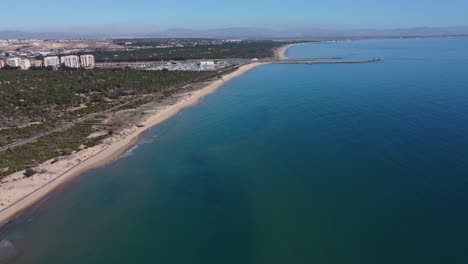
{"x": 7, "y": 250}
{"x": 148, "y": 140}
{"x": 129, "y": 152}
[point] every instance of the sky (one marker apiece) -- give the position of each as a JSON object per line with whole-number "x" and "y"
{"x": 156, "y": 15}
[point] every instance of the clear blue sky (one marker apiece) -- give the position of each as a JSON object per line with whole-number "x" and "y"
{"x": 154, "y": 15}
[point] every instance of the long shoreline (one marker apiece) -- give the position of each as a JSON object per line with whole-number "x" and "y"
{"x": 280, "y": 53}
{"x": 19, "y": 194}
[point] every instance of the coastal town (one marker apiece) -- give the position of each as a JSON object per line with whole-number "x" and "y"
{"x": 26, "y": 54}
{"x": 234, "y": 132}
{"x": 53, "y": 62}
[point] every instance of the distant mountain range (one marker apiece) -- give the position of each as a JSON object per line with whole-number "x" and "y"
{"x": 251, "y": 33}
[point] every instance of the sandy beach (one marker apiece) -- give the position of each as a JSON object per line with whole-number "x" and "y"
{"x": 280, "y": 53}
{"x": 18, "y": 193}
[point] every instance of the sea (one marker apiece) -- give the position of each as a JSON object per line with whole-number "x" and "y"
{"x": 288, "y": 164}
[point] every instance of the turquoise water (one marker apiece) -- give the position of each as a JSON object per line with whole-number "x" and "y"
{"x": 364, "y": 163}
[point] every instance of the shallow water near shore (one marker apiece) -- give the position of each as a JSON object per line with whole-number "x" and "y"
{"x": 364, "y": 163}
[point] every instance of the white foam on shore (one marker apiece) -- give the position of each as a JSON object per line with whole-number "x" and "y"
{"x": 129, "y": 152}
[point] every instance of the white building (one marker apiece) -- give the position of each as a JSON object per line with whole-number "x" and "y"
{"x": 71, "y": 61}
{"x": 207, "y": 66}
{"x": 14, "y": 62}
{"x": 207, "y": 63}
{"x": 87, "y": 61}
{"x": 53, "y": 61}
{"x": 25, "y": 64}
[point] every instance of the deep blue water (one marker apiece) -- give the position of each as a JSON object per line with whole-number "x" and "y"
{"x": 364, "y": 163}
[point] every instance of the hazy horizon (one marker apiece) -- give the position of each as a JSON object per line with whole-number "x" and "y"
{"x": 246, "y": 33}
{"x": 144, "y": 16}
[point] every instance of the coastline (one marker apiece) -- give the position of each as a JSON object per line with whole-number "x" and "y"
{"x": 19, "y": 193}
{"x": 280, "y": 53}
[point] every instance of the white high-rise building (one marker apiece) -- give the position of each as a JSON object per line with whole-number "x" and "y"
{"x": 87, "y": 61}
{"x": 207, "y": 63}
{"x": 53, "y": 61}
{"x": 25, "y": 64}
{"x": 71, "y": 61}
{"x": 14, "y": 62}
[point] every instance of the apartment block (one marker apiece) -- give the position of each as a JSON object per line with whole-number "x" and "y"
{"x": 87, "y": 61}
{"x": 71, "y": 61}
{"x": 53, "y": 61}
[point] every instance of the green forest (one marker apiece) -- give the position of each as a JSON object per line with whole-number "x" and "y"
{"x": 240, "y": 50}
{"x": 32, "y": 102}
{"x": 41, "y": 94}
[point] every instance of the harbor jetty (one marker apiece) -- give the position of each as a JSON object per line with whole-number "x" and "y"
{"x": 321, "y": 61}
